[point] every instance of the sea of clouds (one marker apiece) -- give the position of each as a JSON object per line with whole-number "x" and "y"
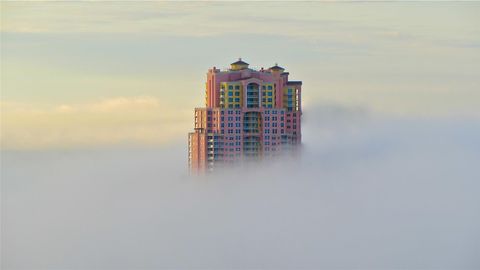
{"x": 367, "y": 192}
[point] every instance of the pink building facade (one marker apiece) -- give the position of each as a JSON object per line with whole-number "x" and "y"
{"x": 249, "y": 115}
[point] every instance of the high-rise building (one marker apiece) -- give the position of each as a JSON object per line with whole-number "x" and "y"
{"x": 249, "y": 114}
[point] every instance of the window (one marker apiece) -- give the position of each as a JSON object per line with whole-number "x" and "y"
{"x": 230, "y": 99}
{"x": 237, "y": 99}
{"x": 237, "y": 94}
{"x": 237, "y": 87}
{"x": 269, "y": 87}
{"x": 270, "y": 94}
{"x": 230, "y": 94}
{"x": 230, "y": 87}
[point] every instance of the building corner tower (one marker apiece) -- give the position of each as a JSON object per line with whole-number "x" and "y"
{"x": 248, "y": 115}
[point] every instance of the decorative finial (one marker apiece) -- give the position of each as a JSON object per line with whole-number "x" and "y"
{"x": 240, "y": 59}
{"x": 276, "y": 64}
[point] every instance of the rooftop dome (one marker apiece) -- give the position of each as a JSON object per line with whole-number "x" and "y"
{"x": 238, "y": 65}
{"x": 276, "y": 68}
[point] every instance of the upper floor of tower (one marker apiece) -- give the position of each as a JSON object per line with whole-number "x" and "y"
{"x": 243, "y": 87}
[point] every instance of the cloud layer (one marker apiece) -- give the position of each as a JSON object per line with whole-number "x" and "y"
{"x": 373, "y": 194}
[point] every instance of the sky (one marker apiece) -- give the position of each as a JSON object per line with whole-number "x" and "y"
{"x": 89, "y": 74}
{"x": 97, "y": 99}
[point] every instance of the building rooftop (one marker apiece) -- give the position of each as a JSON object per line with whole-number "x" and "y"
{"x": 239, "y": 65}
{"x": 277, "y": 67}
{"x": 239, "y": 62}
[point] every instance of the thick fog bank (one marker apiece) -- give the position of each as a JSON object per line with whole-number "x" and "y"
{"x": 370, "y": 194}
